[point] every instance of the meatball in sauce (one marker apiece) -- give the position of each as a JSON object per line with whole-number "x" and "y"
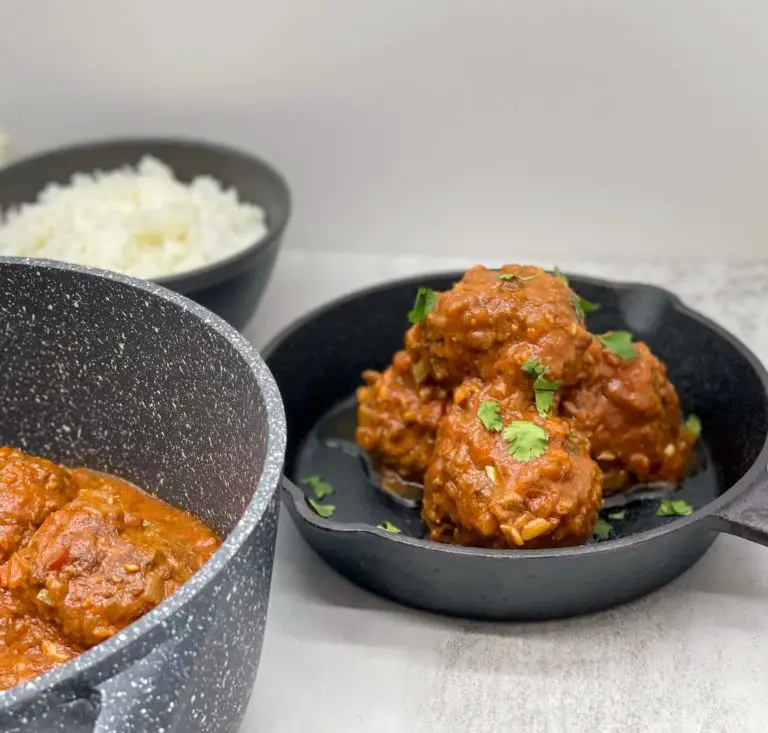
{"x": 478, "y": 493}
{"x": 486, "y": 325}
{"x": 505, "y": 354}
{"x": 91, "y": 554}
{"x": 630, "y": 413}
{"x": 399, "y": 411}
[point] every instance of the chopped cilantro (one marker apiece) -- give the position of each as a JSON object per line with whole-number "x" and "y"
{"x": 588, "y": 306}
{"x": 388, "y": 527}
{"x": 582, "y": 306}
{"x": 620, "y": 343}
{"x": 533, "y": 368}
{"x": 488, "y": 414}
{"x": 693, "y": 423}
{"x": 525, "y": 440}
{"x": 550, "y": 385}
{"x": 618, "y": 515}
{"x": 674, "y": 508}
{"x": 561, "y": 276}
{"x": 545, "y": 398}
{"x": 324, "y": 510}
{"x": 425, "y": 302}
{"x": 320, "y": 487}
{"x": 602, "y": 529}
{"x": 544, "y": 389}
{"x": 512, "y": 276}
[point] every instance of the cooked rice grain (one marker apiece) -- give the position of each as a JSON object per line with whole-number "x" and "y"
{"x": 140, "y": 221}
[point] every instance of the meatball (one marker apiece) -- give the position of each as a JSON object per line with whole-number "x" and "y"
{"x": 399, "y": 412}
{"x": 630, "y": 413}
{"x": 105, "y": 559}
{"x": 487, "y": 325}
{"x": 477, "y": 493}
{"x": 30, "y": 489}
{"x": 29, "y": 645}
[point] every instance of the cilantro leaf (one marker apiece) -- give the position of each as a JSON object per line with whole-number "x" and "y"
{"x": 533, "y": 368}
{"x": 620, "y": 343}
{"x": 324, "y": 510}
{"x": 545, "y": 398}
{"x": 582, "y": 306}
{"x": 561, "y": 276}
{"x": 488, "y": 414}
{"x": 388, "y": 527}
{"x": 549, "y": 385}
{"x": 602, "y": 529}
{"x": 693, "y": 423}
{"x": 525, "y": 440}
{"x": 588, "y": 306}
{"x": 622, "y": 514}
{"x": 544, "y": 389}
{"x": 576, "y": 300}
{"x": 674, "y": 508}
{"x": 512, "y": 276}
{"x": 426, "y": 299}
{"x": 320, "y": 487}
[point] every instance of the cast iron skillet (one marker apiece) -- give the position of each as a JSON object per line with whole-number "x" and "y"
{"x": 121, "y": 375}
{"x": 231, "y": 288}
{"x": 317, "y": 364}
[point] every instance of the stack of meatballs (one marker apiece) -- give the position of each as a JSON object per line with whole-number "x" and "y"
{"x": 516, "y": 418}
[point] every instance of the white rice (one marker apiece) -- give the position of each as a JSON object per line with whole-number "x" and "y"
{"x": 140, "y": 221}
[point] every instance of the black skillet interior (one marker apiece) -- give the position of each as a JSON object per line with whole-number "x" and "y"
{"x": 318, "y": 390}
{"x": 317, "y": 364}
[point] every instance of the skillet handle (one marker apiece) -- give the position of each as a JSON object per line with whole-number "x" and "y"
{"x": 747, "y": 515}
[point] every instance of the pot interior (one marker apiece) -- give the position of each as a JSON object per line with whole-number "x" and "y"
{"x": 101, "y": 374}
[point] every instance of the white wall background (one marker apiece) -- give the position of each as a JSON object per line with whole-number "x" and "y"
{"x": 554, "y": 128}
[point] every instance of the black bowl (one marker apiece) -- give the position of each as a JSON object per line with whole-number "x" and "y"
{"x": 317, "y": 363}
{"x": 232, "y": 287}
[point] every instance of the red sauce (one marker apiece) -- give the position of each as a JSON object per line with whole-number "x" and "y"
{"x": 85, "y": 554}
{"x": 611, "y": 421}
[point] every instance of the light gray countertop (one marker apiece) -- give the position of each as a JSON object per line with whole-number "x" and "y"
{"x": 690, "y": 657}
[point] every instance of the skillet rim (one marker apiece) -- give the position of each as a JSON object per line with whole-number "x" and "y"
{"x": 747, "y": 481}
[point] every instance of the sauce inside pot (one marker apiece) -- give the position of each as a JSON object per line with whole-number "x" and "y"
{"x": 83, "y": 555}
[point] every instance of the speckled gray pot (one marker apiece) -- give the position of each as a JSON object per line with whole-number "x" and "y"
{"x": 121, "y": 375}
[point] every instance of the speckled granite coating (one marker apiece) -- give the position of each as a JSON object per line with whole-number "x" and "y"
{"x": 105, "y": 372}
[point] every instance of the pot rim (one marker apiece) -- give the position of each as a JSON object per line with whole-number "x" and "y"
{"x": 756, "y": 470}
{"x": 268, "y": 483}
